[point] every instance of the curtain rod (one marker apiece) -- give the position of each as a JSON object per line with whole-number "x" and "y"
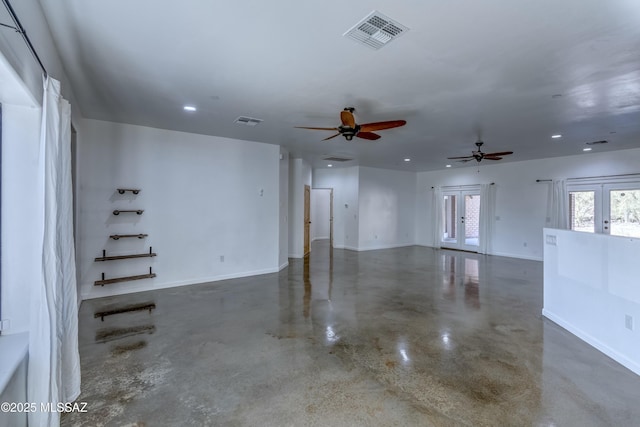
{"x": 465, "y": 185}
{"x": 592, "y": 177}
{"x": 18, "y": 27}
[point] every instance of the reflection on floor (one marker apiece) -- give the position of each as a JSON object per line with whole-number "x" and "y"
{"x": 410, "y": 336}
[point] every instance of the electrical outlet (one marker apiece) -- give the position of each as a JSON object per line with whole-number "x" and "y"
{"x": 550, "y": 239}
{"x": 5, "y": 325}
{"x": 628, "y": 322}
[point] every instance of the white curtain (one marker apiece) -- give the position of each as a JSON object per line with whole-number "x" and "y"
{"x": 487, "y": 216}
{"x": 558, "y": 205}
{"x": 436, "y": 214}
{"x": 54, "y": 362}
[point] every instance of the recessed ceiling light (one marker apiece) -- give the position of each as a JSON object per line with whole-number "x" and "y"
{"x": 556, "y": 136}
{"x": 587, "y": 149}
{"x": 189, "y": 108}
{"x": 329, "y": 165}
{"x": 448, "y": 166}
{"x": 407, "y": 160}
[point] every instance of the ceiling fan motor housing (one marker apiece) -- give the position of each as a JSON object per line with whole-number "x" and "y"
{"x": 349, "y": 132}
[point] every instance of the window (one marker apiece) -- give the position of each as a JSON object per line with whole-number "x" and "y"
{"x": 612, "y": 207}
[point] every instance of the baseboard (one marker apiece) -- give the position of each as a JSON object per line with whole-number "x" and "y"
{"x": 112, "y": 291}
{"x": 320, "y": 238}
{"x": 283, "y": 266}
{"x": 378, "y": 247}
{"x": 508, "y": 255}
{"x": 594, "y": 342}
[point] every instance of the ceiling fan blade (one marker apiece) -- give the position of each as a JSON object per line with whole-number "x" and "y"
{"x": 333, "y": 136}
{"x": 492, "y": 158}
{"x": 465, "y": 160}
{"x": 462, "y": 157}
{"x": 347, "y": 118}
{"x": 368, "y": 135}
{"x": 501, "y": 153}
{"x": 312, "y": 128}
{"x": 368, "y": 127}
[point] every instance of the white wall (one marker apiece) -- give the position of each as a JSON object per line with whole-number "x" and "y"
{"x": 204, "y": 197}
{"x": 521, "y": 203}
{"x": 22, "y": 213}
{"x": 590, "y": 285}
{"x": 387, "y": 208}
{"x": 299, "y": 176}
{"x": 320, "y": 213}
{"x": 344, "y": 182}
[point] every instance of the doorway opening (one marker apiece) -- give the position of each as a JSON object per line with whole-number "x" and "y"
{"x": 322, "y": 214}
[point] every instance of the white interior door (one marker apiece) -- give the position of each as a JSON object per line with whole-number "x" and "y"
{"x": 461, "y": 220}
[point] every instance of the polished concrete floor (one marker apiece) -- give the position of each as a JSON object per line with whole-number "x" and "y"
{"x": 402, "y": 337}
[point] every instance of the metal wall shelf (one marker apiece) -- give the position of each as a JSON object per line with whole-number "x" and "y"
{"x": 137, "y": 211}
{"x": 125, "y": 236}
{"x": 104, "y": 256}
{"x": 124, "y": 190}
{"x": 123, "y": 279}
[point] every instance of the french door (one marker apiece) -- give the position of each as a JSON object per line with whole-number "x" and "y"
{"x": 461, "y": 220}
{"x": 605, "y": 208}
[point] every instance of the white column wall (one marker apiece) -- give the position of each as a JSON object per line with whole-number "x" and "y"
{"x": 299, "y": 176}
{"x": 211, "y": 206}
{"x": 283, "y": 210}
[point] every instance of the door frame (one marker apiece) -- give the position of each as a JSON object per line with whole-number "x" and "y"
{"x": 602, "y": 200}
{"x": 307, "y": 221}
{"x": 460, "y": 242}
{"x": 330, "y": 212}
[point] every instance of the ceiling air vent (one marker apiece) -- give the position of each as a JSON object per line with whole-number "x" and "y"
{"x": 337, "y": 159}
{"x": 376, "y": 30}
{"x": 248, "y": 121}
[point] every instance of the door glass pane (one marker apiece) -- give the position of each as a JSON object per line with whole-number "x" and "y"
{"x": 449, "y": 215}
{"x": 625, "y": 212}
{"x": 582, "y": 210}
{"x": 471, "y": 219}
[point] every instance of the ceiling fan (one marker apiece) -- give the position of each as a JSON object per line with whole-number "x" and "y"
{"x": 349, "y": 128}
{"x": 479, "y": 155}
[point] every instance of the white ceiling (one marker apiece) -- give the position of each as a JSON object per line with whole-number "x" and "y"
{"x": 464, "y": 65}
